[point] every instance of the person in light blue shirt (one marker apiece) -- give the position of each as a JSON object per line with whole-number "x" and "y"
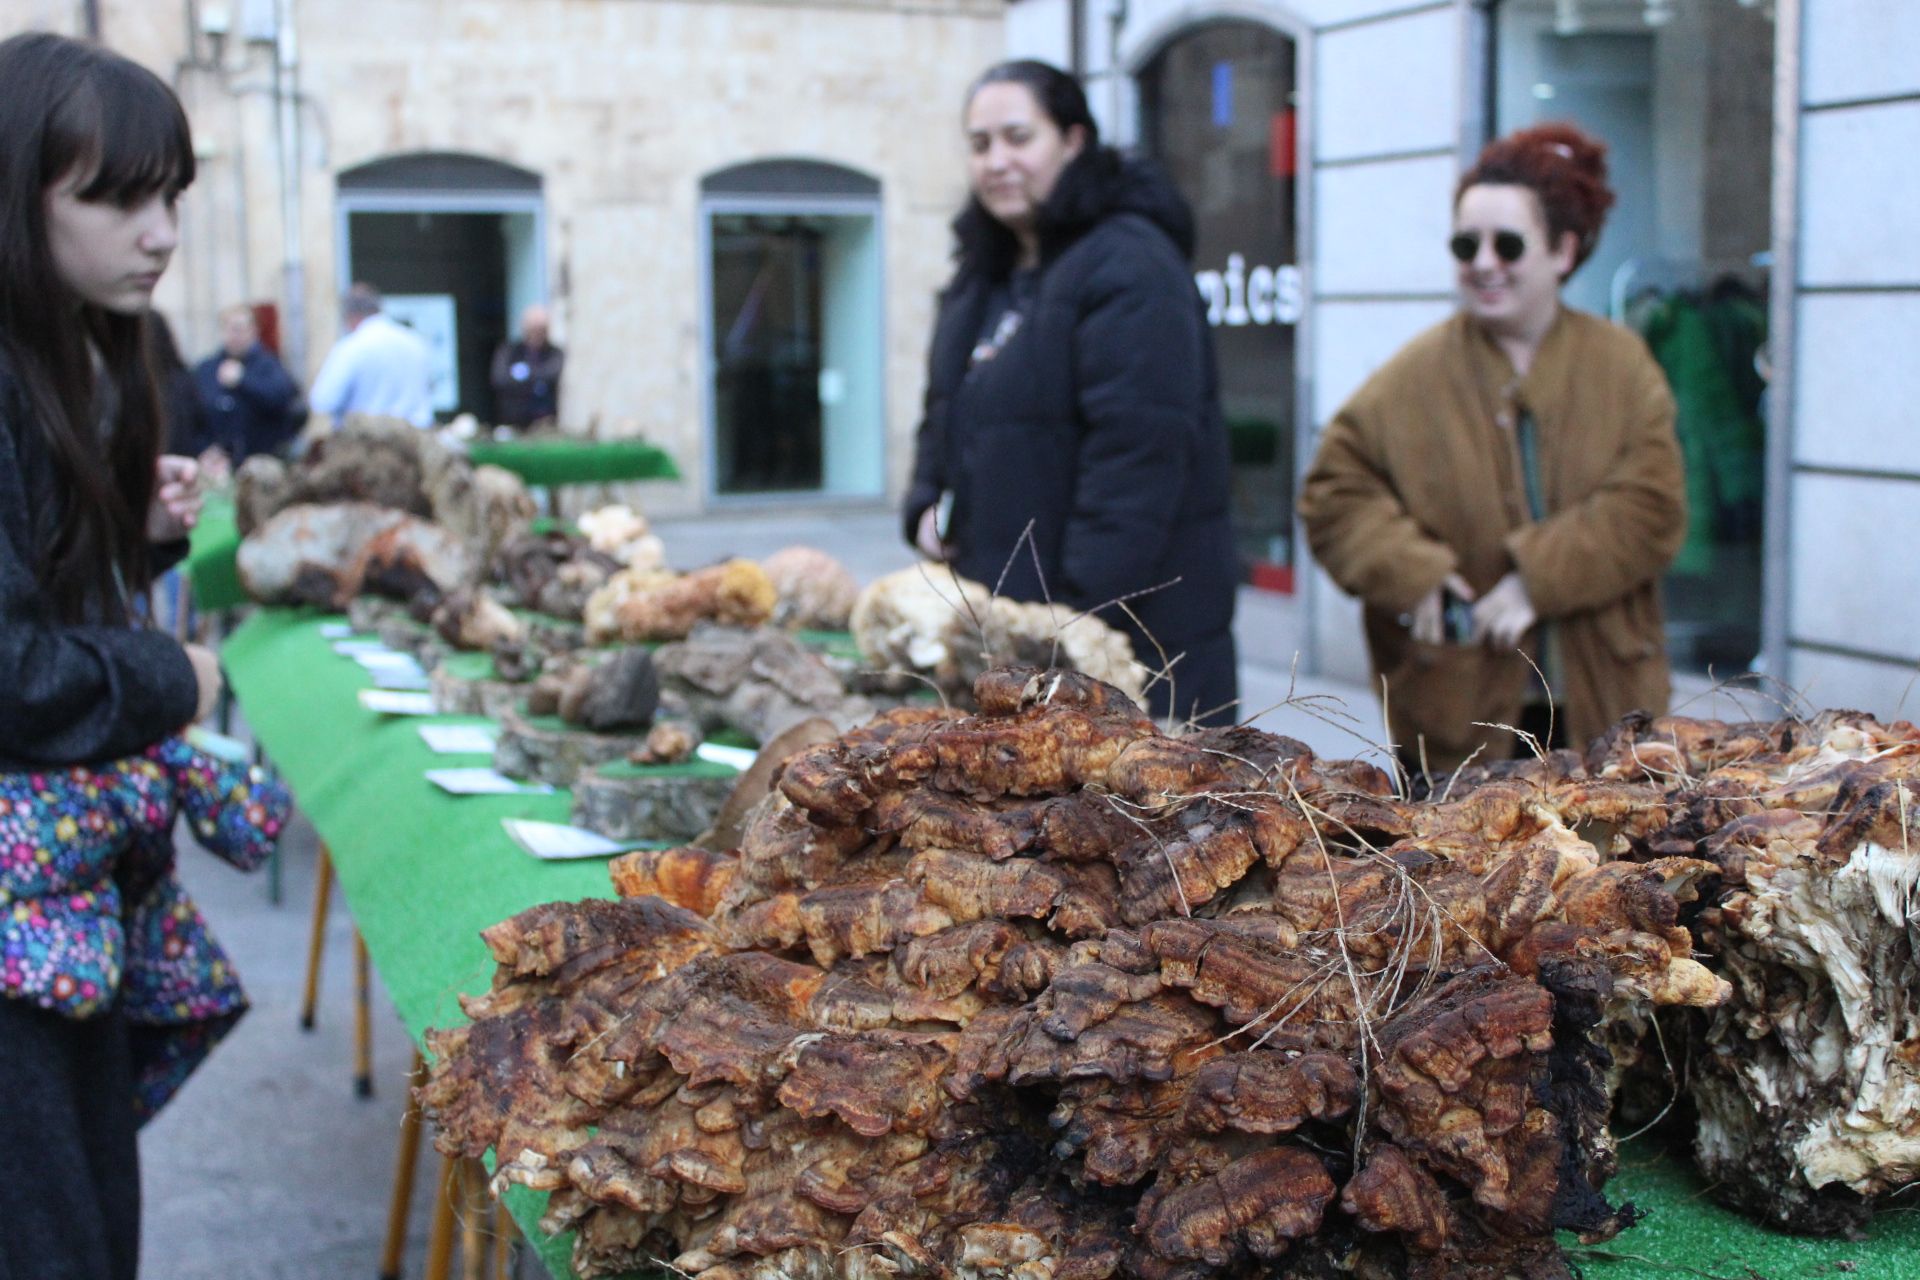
{"x": 378, "y": 367}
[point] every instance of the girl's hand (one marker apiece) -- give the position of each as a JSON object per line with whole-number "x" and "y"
{"x": 176, "y": 499}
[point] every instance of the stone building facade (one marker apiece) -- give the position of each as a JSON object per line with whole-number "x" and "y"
{"x": 730, "y": 207}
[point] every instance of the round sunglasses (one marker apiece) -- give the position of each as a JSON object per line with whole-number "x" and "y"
{"x": 1508, "y": 246}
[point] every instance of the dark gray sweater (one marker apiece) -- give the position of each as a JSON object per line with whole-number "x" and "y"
{"x": 69, "y": 694}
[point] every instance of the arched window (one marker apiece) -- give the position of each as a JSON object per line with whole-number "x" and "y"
{"x": 797, "y": 179}
{"x": 447, "y": 171}
{"x": 794, "y": 329}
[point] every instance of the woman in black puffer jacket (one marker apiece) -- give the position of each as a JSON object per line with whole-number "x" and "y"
{"x": 1071, "y": 390}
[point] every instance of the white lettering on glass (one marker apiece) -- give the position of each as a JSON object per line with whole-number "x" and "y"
{"x": 1236, "y": 278}
{"x": 1260, "y": 295}
{"x": 1242, "y": 295}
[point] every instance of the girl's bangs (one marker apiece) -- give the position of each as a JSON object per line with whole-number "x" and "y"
{"x": 128, "y": 132}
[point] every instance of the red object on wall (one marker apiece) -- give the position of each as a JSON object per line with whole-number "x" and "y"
{"x": 266, "y": 319}
{"x": 1268, "y": 576}
{"x": 1283, "y": 150}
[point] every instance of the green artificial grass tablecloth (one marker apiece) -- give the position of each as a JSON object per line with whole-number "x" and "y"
{"x": 211, "y": 565}
{"x": 424, "y": 872}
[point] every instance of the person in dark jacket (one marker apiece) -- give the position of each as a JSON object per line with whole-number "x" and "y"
{"x": 189, "y": 432}
{"x": 1072, "y": 446}
{"x": 252, "y": 403}
{"x": 526, "y": 373}
{"x": 94, "y": 151}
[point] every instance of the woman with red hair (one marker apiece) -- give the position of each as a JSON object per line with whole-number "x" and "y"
{"x": 1504, "y": 493}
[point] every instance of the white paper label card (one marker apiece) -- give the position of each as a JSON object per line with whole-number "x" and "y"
{"x": 454, "y": 739}
{"x": 740, "y": 758}
{"x": 387, "y": 660}
{"x": 397, "y": 702}
{"x": 357, "y": 645}
{"x": 400, "y": 678}
{"x": 218, "y": 745}
{"x": 336, "y": 630}
{"x": 483, "y": 782}
{"x": 555, "y": 840}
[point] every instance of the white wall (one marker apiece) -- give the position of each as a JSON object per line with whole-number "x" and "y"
{"x": 1386, "y": 100}
{"x": 1857, "y": 351}
{"x": 1856, "y": 49}
{"x": 1382, "y": 88}
{"x": 1040, "y": 29}
{"x": 1853, "y": 590}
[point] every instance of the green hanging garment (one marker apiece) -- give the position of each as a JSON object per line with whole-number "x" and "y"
{"x": 1721, "y": 439}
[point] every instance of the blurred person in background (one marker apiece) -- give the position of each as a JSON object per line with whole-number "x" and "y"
{"x": 1072, "y": 446}
{"x": 379, "y": 366}
{"x": 526, "y": 374}
{"x": 1504, "y": 494}
{"x": 188, "y": 430}
{"x": 252, "y": 403}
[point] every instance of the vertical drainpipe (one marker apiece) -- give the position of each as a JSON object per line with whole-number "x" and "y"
{"x": 1306, "y": 424}
{"x": 90, "y": 17}
{"x": 1480, "y": 116}
{"x": 1077, "y": 39}
{"x": 1776, "y": 575}
{"x": 286, "y": 111}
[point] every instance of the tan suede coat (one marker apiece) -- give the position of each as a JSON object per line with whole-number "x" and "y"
{"x": 1419, "y": 475}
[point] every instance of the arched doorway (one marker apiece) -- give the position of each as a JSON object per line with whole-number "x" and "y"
{"x": 457, "y": 243}
{"x": 794, "y": 330}
{"x": 1218, "y": 108}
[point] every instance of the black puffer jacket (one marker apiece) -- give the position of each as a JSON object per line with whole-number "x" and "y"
{"x": 1098, "y": 422}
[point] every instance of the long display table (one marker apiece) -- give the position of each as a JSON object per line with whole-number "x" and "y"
{"x": 424, "y": 872}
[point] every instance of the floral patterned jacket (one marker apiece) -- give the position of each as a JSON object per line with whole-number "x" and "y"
{"x": 91, "y": 911}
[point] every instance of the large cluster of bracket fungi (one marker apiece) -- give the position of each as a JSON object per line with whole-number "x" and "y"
{"x": 1044, "y": 992}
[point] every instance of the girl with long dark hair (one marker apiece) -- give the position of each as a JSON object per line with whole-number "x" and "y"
{"x": 1072, "y": 446}
{"x": 94, "y": 151}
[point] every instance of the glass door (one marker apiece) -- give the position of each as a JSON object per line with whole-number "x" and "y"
{"x": 795, "y": 352}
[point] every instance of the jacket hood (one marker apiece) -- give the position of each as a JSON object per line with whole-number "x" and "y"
{"x": 1105, "y": 183}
